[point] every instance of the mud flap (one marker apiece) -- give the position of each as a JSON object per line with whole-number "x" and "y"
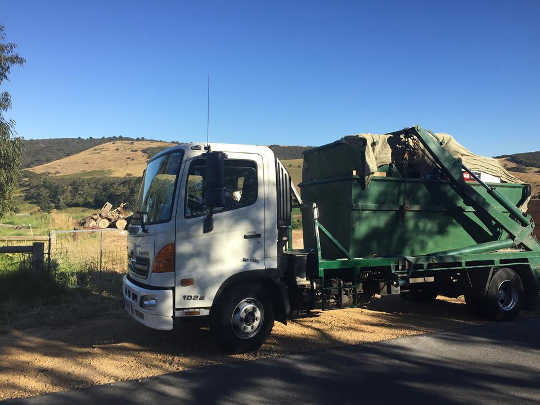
{"x": 282, "y": 304}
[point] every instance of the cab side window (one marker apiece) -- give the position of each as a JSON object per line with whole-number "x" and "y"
{"x": 241, "y": 186}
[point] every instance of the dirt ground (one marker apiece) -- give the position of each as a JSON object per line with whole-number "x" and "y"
{"x": 115, "y": 348}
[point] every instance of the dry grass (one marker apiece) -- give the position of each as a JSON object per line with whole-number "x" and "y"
{"x": 294, "y": 167}
{"x": 528, "y": 174}
{"x": 118, "y": 159}
{"x": 83, "y": 279}
{"x": 298, "y": 241}
{"x": 99, "y": 250}
{"x": 60, "y": 220}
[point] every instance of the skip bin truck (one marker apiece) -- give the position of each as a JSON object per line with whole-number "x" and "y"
{"x": 392, "y": 214}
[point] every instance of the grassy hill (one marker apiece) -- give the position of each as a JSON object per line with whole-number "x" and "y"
{"x": 289, "y": 152}
{"x": 119, "y": 156}
{"x": 528, "y": 159}
{"x": 529, "y": 173}
{"x": 294, "y": 167}
{"x": 112, "y": 159}
{"x": 40, "y": 151}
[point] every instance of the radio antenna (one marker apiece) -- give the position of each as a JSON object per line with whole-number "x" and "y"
{"x": 207, "y": 109}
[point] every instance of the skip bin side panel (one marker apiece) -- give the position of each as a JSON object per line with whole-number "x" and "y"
{"x": 414, "y": 217}
{"x": 334, "y": 202}
{"x": 392, "y": 216}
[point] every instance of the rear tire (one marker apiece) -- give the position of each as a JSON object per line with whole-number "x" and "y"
{"x": 242, "y": 318}
{"x": 505, "y": 295}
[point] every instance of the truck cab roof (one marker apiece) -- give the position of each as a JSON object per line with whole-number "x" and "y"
{"x": 199, "y": 147}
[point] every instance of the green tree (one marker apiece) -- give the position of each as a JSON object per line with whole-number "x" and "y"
{"x": 10, "y": 144}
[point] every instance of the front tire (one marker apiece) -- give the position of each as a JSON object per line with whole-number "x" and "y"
{"x": 242, "y": 318}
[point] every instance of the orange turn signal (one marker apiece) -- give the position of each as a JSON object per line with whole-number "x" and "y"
{"x": 164, "y": 262}
{"x": 186, "y": 281}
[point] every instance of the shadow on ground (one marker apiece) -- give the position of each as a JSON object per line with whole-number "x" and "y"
{"x": 116, "y": 348}
{"x": 410, "y": 369}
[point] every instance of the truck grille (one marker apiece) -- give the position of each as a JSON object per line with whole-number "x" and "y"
{"x": 139, "y": 265}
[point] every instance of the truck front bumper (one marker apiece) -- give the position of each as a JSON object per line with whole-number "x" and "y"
{"x": 151, "y": 307}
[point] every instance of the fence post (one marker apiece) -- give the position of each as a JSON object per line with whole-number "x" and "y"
{"x": 100, "y": 249}
{"x": 52, "y": 237}
{"x": 37, "y": 257}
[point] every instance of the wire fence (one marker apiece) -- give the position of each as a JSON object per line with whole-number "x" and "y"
{"x": 17, "y": 261}
{"x": 98, "y": 250}
{"x": 95, "y": 259}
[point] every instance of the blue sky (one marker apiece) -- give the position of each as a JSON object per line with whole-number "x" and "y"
{"x": 304, "y": 72}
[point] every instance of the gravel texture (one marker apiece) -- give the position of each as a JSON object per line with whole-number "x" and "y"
{"x": 115, "y": 348}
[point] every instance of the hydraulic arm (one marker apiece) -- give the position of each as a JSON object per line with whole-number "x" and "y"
{"x": 516, "y": 224}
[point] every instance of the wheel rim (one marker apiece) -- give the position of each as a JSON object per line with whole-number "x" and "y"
{"x": 507, "y": 296}
{"x": 247, "y": 318}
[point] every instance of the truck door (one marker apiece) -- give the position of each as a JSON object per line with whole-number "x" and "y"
{"x": 235, "y": 244}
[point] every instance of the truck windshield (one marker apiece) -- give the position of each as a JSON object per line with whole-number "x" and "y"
{"x": 156, "y": 196}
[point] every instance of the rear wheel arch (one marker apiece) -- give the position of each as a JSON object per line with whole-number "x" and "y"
{"x": 242, "y": 319}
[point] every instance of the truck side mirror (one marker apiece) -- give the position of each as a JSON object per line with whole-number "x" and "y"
{"x": 214, "y": 186}
{"x": 214, "y": 180}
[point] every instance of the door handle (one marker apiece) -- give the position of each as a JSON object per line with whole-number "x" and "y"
{"x": 252, "y": 235}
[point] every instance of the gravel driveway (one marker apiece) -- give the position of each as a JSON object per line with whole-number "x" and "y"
{"x": 114, "y": 348}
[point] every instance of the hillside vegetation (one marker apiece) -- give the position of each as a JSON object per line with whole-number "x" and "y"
{"x": 294, "y": 167}
{"x": 122, "y": 158}
{"x": 108, "y": 171}
{"x": 40, "y": 151}
{"x": 529, "y": 159}
{"x": 69, "y": 191}
{"x": 289, "y": 152}
{"x": 112, "y": 159}
{"x": 529, "y": 174}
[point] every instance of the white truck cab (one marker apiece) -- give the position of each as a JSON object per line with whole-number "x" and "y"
{"x": 206, "y": 240}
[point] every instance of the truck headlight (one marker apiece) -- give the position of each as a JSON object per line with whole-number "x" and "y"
{"x": 148, "y": 301}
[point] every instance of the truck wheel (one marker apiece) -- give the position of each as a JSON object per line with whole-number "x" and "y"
{"x": 504, "y": 296}
{"x": 242, "y": 319}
